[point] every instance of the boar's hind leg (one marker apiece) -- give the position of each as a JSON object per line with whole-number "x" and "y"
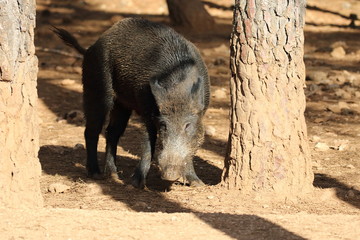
{"x": 191, "y": 176}
{"x": 97, "y": 105}
{"x": 119, "y": 118}
{"x": 141, "y": 171}
{"x": 94, "y": 123}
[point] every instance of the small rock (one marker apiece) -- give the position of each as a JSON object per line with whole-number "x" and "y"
{"x": 79, "y": 146}
{"x": 343, "y": 105}
{"x": 58, "y": 188}
{"x": 334, "y": 108}
{"x": 60, "y": 120}
{"x": 350, "y": 166}
{"x": 349, "y": 77}
{"x": 342, "y": 147}
{"x": 75, "y": 117}
{"x": 341, "y": 93}
{"x": 67, "y": 82}
{"x": 265, "y": 206}
{"x": 59, "y": 68}
{"x": 317, "y": 76}
{"x": 320, "y": 146}
{"x": 220, "y": 93}
{"x": 350, "y": 194}
{"x": 210, "y": 197}
{"x": 210, "y": 131}
{"x": 338, "y": 52}
{"x": 79, "y": 165}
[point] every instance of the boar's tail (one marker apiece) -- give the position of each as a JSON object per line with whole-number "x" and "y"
{"x": 69, "y": 39}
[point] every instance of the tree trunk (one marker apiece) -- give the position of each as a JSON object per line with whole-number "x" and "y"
{"x": 19, "y": 136}
{"x": 267, "y": 149}
{"x": 190, "y": 14}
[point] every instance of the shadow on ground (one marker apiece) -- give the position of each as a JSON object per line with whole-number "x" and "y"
{"x": 59, "y": 160}
{"x": 325, "y": 181}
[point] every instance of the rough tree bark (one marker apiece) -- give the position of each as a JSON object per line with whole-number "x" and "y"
{"x": 267, "y": 149}
{"x": 190, "y": 14}
{"x": 19, "y": 137}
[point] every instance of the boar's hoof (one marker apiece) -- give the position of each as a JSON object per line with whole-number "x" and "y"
{"x": 96, "y": 176}
{"x": 110, "y": 169}
{"x": 197, "y": 183}
{"x": 114, "y": 177}
{"x": 138, "y": 182}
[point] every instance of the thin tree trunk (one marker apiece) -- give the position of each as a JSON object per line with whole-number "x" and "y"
{"x": 19, "y": 135}
{"x": 190, "y": 14}
{"x": 267, "y": 149}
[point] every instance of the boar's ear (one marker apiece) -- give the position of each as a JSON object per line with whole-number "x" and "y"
{"x": 158, "y": 91}
{"x": 198, "y": 93}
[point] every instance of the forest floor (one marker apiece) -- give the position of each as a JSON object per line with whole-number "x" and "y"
{"x": 76, "y": 207}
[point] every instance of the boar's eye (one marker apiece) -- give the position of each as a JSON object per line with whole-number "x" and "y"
{"x": 188, "y": 126}
{"x": 162, "y": 126}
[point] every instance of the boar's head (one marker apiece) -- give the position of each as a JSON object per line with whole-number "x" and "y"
{"x": 180, "y": 99}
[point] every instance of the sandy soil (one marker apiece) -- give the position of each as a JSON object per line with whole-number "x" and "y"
{"x": 59, "y": 224}
{"x": 80, "y": 208}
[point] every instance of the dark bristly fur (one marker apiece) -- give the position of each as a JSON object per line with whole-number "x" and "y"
{"x": 149, "y": 68}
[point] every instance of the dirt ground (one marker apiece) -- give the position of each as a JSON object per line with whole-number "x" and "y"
{"x": 80, "y": 208}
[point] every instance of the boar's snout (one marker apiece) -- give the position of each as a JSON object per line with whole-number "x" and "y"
{"x": 171, "y": 173}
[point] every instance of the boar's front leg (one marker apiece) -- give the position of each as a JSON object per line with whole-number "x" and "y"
{"x": 119, "y": 118}
{"x": 141, "y": 171}
{"x": 190, "y": 175}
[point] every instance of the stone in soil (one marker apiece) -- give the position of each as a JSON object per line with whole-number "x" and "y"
{"x": 58, "y": 188}
{"x": 210, "y": 131}
{"x": 320, "y": 146}
{"x": 338, "y": 52}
